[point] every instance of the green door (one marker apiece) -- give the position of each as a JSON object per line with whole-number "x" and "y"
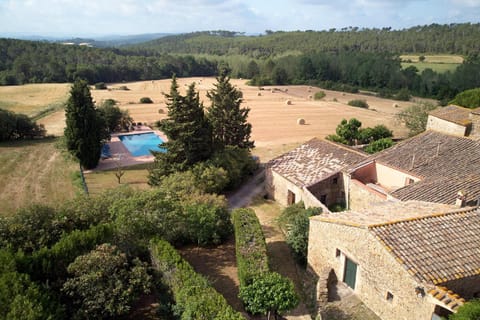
{"x": 350, "y": 273}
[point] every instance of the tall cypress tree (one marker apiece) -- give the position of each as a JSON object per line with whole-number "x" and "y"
{"x": 227, "y": 118}
{"x": 84, "y": 129}
{"x": 188, "y": 132}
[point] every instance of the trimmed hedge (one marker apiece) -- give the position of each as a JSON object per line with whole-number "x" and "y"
{"x": 250, "y": 246}
{"x": 194, "y": 297}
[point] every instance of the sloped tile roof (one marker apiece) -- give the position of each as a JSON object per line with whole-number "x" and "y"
{"x": 314, "y": 160}
{"x": 435, "y": 249}
{"x": 452, "y": 113}
{"x": 445, "y": 164}
{"x": 447, "y": 297}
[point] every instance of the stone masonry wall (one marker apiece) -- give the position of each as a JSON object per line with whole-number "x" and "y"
{"x": 440, "y": 125}
{"x": 360, "y": 197}
{"x": 377, "y": 274}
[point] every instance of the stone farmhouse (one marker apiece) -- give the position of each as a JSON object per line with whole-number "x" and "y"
{"x": 440, "y": 165}
{"x": 404, "y": 260}
{"x": 409, "y": 244}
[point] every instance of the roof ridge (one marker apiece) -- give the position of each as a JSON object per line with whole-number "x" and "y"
{"x": 342, "y": 146}
{"x": 432, "y": 215}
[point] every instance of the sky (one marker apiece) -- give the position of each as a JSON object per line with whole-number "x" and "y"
{"x": 129, "y": 17}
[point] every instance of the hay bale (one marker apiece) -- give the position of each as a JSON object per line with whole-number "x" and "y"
{"x": 310, "y": 97}
{"x": 395, "y": 105}
{"x": 301, "y": 121}
{"x": 286, "y": 90}
{"x": 288, "y": 102}
{"x": 259, "y": 94}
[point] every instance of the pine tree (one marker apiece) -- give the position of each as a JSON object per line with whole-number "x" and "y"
{"x": 85, "y": 128}
{"x": 227, "y": 118}
{"x": 188, "y": 132}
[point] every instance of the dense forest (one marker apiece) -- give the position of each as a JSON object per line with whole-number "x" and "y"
{"x": 435, "y": 38}
{"x": 348, "y": 59}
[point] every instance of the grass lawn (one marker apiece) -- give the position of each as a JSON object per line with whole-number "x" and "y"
{"x": 134, "y": 176}
{"x": 34, "y": 172}
{"x": 438, "y": 63}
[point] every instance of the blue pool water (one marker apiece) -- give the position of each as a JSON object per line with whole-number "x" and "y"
{"x": 140, "y": 144}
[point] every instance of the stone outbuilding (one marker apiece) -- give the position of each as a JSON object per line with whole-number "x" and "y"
{"x": 404, "y": 260}
{"x": 455, "y": 120}
{"x": 432, "y": 166}
{"x": 311, "y": 173}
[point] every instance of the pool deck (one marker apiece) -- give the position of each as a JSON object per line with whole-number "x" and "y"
{"x": 121, "y": 156}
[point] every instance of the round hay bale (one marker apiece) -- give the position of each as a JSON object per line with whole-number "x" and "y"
{"x": 395, "y": 105}
{"x": 259, "y": 94}
{"x": 286, "y": 90}
{"x": 301, "y": 121}
{"x": 310, "y": 97}
{"x": 288, "y": 102}
{"x": 272, "y": 90}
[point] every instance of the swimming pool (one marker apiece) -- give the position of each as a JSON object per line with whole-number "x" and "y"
{"x": 140, "y": 144}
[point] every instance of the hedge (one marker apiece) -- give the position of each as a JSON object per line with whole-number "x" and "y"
{"x": 194, "y": 297}
{"x": 51, "y": 263}
{"x": 250, "y": 246}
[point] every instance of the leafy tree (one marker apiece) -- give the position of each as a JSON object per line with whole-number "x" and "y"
{"x": 469, "y": 311}
{"x": 368, "y": 135}
{"x": 114, "y": 117}
{"x": 104, "y": 283}
{"x": 85, "y": 128}
{"x": 348, "y": 130}
{"x": 269, "y": 293}
{"x": 415, "y": 117}
{"x": 15, "y": 126}
{"x": 188, "y": 132}
{"x": 227, "y": 118}
{"x": 378, "y": 145}
{"x": 468, "y": 98}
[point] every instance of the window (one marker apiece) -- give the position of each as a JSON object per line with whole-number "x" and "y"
{"x": 389, "y": 296}
{"x": 323, "y": 198}
{"x": 350, "y": 273}
{"x": 290, "y": 197}
{"x": 335, "y": 180}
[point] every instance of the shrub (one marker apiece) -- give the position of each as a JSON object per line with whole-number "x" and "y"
{"x": 146, "y": 100}
{"x": 104, "y": 284}
{"x": 294, "y": 220}
{"x": 237, "y": 162}
{"x": 359, "y": 103}
{"x": 378, "y": 145}
{"x": 269, "y": 293}
{"x": 319, "y": 95}
{"x": 125, "y": 88}
{"x": 468, "y": 98}
{"x": 15, "y": 126}
{"x": 100, "y": 86}
{"x": 194, "y": 297}
{"x": 469, "y": 311}
{"x": 403, "y": 95}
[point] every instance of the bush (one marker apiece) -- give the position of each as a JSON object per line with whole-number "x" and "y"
{"x": 294, "y": 220}
{"x": 100, "y": 86}
{"x": 468, "y": 98}
{"x": 104, "y": 284}
{"x": 124, "y": 88}
{"x": 359, "y": 103}
{"x": 237, "y": 162}
{"x": 378, "y": 145}
{"x": 146, "y": 100}
{"x": 250, "y": 246}
{"x": 269, "y": 292}
{"x": 319, "y": 95}
{"x": 403, "y": 95}
{"x": 15, "y": 126}
{"x": 194, "y": 297}
{"x": 469, "y": 311}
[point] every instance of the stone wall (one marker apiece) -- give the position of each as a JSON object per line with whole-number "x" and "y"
{"x": 360, "y": 196}
{"x": 378, "y": 272}
{"x": 440, "y": 125}
{"x": 331, "y": 188}
{"x": 475, "y": 127}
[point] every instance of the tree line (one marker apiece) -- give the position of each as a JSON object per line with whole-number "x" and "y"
{"x": 461, "y": 38}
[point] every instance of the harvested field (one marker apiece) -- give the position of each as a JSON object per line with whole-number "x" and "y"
{"x": 34, "y": 172}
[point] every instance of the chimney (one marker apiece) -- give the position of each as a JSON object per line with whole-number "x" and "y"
{"x": 461, "y": 199}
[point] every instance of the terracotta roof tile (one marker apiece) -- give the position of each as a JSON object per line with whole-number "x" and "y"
{"x": 452, "y": 113}
{"x": 314, "y": 160}
{"x": 447, "y": 297}
{"x": 445, "y": 164}
{"x": 436, "y": 248}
